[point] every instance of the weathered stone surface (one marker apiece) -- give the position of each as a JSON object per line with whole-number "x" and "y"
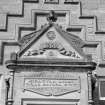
{"x": 21, "y": 17}
{"x": 18, "y": 18}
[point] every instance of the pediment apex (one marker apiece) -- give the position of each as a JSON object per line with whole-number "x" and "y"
{"x": 28, "y": 38}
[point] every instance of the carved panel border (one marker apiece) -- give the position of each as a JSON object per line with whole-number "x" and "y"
{"x": 33, "y": 101}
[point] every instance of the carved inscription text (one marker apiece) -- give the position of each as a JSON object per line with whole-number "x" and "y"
{"x": 50, "y": 87}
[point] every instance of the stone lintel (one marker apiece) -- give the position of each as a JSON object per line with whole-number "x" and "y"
{"x": 12, "y": 64}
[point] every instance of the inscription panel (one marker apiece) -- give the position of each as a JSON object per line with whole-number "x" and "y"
{"x": 32, "y": 82}
{"x": 49, "y": 86}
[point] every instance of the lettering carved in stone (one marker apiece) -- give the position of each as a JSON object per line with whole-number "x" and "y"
{"x": 52, "y": 86}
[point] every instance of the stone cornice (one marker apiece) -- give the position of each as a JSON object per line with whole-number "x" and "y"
{"x": 13, "y": 64}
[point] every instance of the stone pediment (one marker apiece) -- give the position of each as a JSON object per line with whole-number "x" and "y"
{"x": 51, "y": 46}
{"x": 51, "y": 42}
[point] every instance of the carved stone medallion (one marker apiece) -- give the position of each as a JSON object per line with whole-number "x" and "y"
{"x": 51, "y": 35}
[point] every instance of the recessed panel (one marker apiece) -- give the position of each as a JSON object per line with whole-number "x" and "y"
{"x": 49, "y": 102}
{"x": 52, "y": 1}
{"x": 102, "y": 89}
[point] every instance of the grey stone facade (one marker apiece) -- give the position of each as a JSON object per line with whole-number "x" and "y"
{"x": 81, "y": 18}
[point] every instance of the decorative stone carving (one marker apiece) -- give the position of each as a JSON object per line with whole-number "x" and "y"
{"x": 52, "y": 17}
{"x": 51, "y": 35}
{"x": 26, "y": 39}
{"x": 51, "y": 48}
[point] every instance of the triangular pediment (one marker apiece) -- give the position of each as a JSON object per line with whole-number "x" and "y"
{"x": 51, "y": 46}
{"x": 52, "y": 43}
